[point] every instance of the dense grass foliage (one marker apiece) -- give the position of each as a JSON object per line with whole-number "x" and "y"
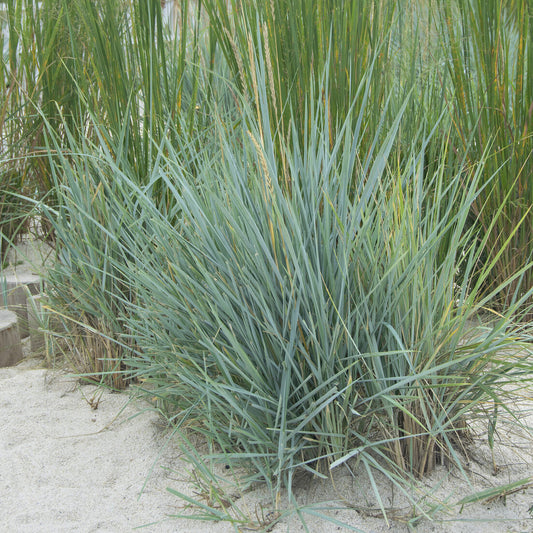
{"x": 282, "y": 220}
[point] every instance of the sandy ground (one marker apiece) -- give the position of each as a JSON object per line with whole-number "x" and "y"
{"x": 76, "y": 459}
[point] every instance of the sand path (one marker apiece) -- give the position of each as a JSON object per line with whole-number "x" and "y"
{"x": 65, "y": 466}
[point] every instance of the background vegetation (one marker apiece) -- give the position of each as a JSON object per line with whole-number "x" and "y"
{"x": 283, "y": 220}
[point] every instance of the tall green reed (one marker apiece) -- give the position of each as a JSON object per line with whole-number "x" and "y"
{"x": 140, "y": 76}
{"x": 15, "y": 130}
{"x": 489, "y": 46}
{"x": 298, "y": 41}
{"x": 37, "y": 92}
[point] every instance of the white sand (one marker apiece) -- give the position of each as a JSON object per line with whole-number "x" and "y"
{"x": 65, "y": 466}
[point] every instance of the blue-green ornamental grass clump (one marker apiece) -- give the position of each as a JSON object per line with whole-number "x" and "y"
{"x": 299, "y": 331}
